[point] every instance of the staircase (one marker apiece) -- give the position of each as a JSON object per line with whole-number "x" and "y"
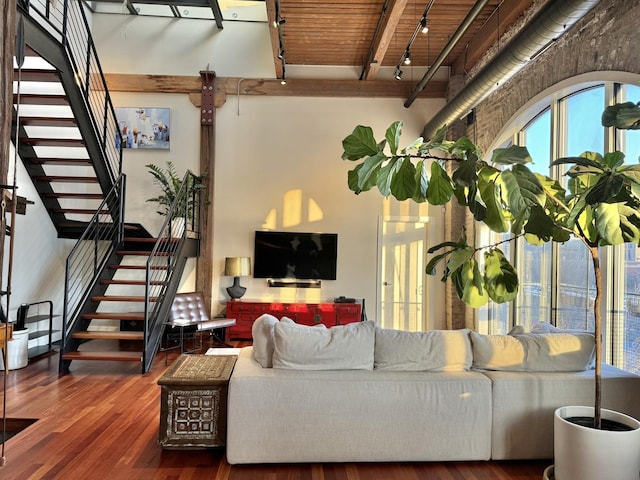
{"x": 119, "y": 281}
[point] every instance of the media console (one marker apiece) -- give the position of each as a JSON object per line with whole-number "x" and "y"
{"x": 329, "y": 314}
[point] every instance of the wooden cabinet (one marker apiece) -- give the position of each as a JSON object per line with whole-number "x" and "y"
{"x": 329, "y": 314}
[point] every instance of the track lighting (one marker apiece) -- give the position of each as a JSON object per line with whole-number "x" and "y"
{"x": 398, "y": 74}
{"x": 283, "y": 81}
{"x": 423, "y": 25}
{"x": 281, "y": 54}
{"x": 407, "y": 57}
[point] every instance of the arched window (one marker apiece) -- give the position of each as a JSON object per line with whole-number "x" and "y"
{"x": 556, "y": 281}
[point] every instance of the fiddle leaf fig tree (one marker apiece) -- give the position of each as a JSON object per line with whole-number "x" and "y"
{"x": 599, "y": 206}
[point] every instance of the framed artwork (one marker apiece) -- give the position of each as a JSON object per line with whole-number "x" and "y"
{"x": 144, "y": 128}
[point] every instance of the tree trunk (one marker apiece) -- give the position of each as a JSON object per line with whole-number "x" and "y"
{"x": 595, "y": 257}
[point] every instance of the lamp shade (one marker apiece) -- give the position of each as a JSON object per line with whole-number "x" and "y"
{"x": 237, "y": 266}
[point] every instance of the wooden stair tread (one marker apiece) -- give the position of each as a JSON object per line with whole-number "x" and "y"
{"x": 49, "y": 121}
{"x": 52, "y": 142}
{"x": 65, "y": 179}
{"x": 121, "y": 335}
{"x": 143, "y": 253}
{"x": 129, "y": 316}
{"x": 121, "y": 298}
{"x": 87, "y": 196}
{"x": 115, "y": 266}
{"x": 82, "y": 211}
{"x": 35, "y": 99}
{"x": 37, "y": 75}
{"x": 107, "y": 356}
{"x": 59, "y": 161}
{"x": 130, "y": 282}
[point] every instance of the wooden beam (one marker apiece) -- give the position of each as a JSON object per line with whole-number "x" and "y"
{"x": 295, "y": 87}
{"x": 380, "y": 44}
{"x": 492, "y": 30}
{"x": 275, "y": 37}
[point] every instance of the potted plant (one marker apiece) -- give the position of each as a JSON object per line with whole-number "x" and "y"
{"x": 170, "y": 183}
{"x": 600, "y": 206}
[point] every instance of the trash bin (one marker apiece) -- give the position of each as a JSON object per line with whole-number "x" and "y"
{"x": 17, "y": 350}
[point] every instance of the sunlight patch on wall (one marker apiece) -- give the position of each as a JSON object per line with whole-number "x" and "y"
{"x": 294, "y": 210}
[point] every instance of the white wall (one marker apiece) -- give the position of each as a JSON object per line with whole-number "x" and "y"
{"x": 275, "y": 156}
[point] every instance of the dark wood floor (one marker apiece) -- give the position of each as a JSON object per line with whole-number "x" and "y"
{"x": 101, "y": 422}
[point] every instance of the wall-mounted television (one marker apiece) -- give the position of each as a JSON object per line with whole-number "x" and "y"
{"x": 303, "y": 256}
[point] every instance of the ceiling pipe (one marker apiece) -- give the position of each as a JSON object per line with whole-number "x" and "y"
{"x": 455, "y": 38}
{"x": 546, "y": 27}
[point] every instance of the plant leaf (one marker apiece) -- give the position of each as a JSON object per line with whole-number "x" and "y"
{"x": 360, "y": 144}
{"x": 522, "y": 189}
{"x": 490, "y": 193}
{"x": 511, "y": 155}
{"x": 367, "y": 175}
{"x": 393, "y": 136}
{"x": 471, "y": 284}
{"x": 421, "y": 182}
{"x": 500, "y": 278}
{"x": 459, "y": 257}
{"x": 440, "y": 189}
{"x": 403, "y": 182}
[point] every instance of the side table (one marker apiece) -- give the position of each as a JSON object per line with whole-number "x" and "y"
{"x": 193, "y": 403}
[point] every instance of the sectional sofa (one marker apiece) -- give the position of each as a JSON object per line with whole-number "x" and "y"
{"x": 359, "y": 393}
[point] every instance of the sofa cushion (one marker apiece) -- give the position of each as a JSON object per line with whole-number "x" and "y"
{"x": 262, "y": 333}
{"x": 552, "y": 352}
{"x": 346, "y": 347}
{"x": 436, "y": 350}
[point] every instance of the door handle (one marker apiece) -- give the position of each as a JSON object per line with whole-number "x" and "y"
{"x": 387, "y": 284}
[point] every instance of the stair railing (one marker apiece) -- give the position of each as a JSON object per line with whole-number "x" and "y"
{"x": 89, "y": 257}
{"x": 182, "y": 224}
{"x": 66, "y": 21}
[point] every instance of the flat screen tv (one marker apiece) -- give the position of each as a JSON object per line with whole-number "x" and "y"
{"x": 303, "y": 256}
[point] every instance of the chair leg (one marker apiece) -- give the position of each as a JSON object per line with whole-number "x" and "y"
{"x": 219, "y": 341}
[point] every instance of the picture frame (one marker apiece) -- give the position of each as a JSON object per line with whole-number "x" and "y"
{"x": 144, "y": 128}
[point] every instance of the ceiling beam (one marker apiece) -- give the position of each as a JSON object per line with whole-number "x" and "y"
{"x": 389, "y": 18}
{"x": 295, "y": 87}
{"x": 275, "y": 38}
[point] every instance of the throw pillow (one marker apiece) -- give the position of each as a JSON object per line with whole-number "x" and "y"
{"x": 262, "y": 333}
{"x": 550, "y": 352}
{"x": 436, "y": 350}
{"x": 345, "y": 347}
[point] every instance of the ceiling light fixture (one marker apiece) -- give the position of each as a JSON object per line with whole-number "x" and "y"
{"x": 398, "y": 74}
{"x": 278, "y": 23}
{"x": 423, "y": 27}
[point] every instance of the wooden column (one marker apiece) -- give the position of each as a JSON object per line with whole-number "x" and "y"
{"x": 7, "y": 48}
{"x": 204, "y": 273}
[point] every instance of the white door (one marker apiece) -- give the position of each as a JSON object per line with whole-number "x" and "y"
{"x": 402, "y": 243}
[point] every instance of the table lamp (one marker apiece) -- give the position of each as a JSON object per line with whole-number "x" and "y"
{"x": 237, "y": 267}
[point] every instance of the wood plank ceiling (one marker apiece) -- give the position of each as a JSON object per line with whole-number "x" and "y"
{"x": 368, "y": 34}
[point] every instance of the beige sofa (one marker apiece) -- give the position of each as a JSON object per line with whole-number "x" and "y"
{"x": 358, "y": 393}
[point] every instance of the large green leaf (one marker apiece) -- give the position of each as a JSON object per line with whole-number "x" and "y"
{"x": 500, "y": 278}
{"x": 495, "y": 217}
{"x": 465, "y": 174}
{"x": 403, "y": 182}
{"x": 421, "y": 182}
{"x": 470, "y": 284}
{"x": 385, "y": 176}
{"x": 459, "y": 257}
{"x": 607, "y": 187}
{"x": 539, "y": 224}
{"x": 367, "y": 175}
{"x": 622, "y": 115}
{"x": 607, "y": 219}
{"x": 393, "y": 136}
{"x": 521, "y": 189}
{"x": 511, "y": 155}
{"x": 359, "y": 144}
{"x": 440, "y": 188}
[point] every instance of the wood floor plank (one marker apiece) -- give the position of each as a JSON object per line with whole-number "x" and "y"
{"x": 101, "y": 421}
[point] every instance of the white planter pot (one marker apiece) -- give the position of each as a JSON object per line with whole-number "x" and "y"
{"x": 588, "y": 454}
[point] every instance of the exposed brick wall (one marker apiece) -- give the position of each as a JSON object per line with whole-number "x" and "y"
{"x": 606, "y": 39}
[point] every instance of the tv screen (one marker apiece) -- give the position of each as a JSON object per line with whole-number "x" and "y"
{"x": 304, "y": 256}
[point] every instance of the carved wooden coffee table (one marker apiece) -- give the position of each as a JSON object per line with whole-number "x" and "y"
{"x": 193, "y": 408}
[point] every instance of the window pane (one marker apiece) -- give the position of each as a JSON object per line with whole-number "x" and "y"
{"x": 576, "y": 282}
{"x": 628, "y": 334}
{"x": 534, "y": 261}
{"x": 584, "y": 130}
